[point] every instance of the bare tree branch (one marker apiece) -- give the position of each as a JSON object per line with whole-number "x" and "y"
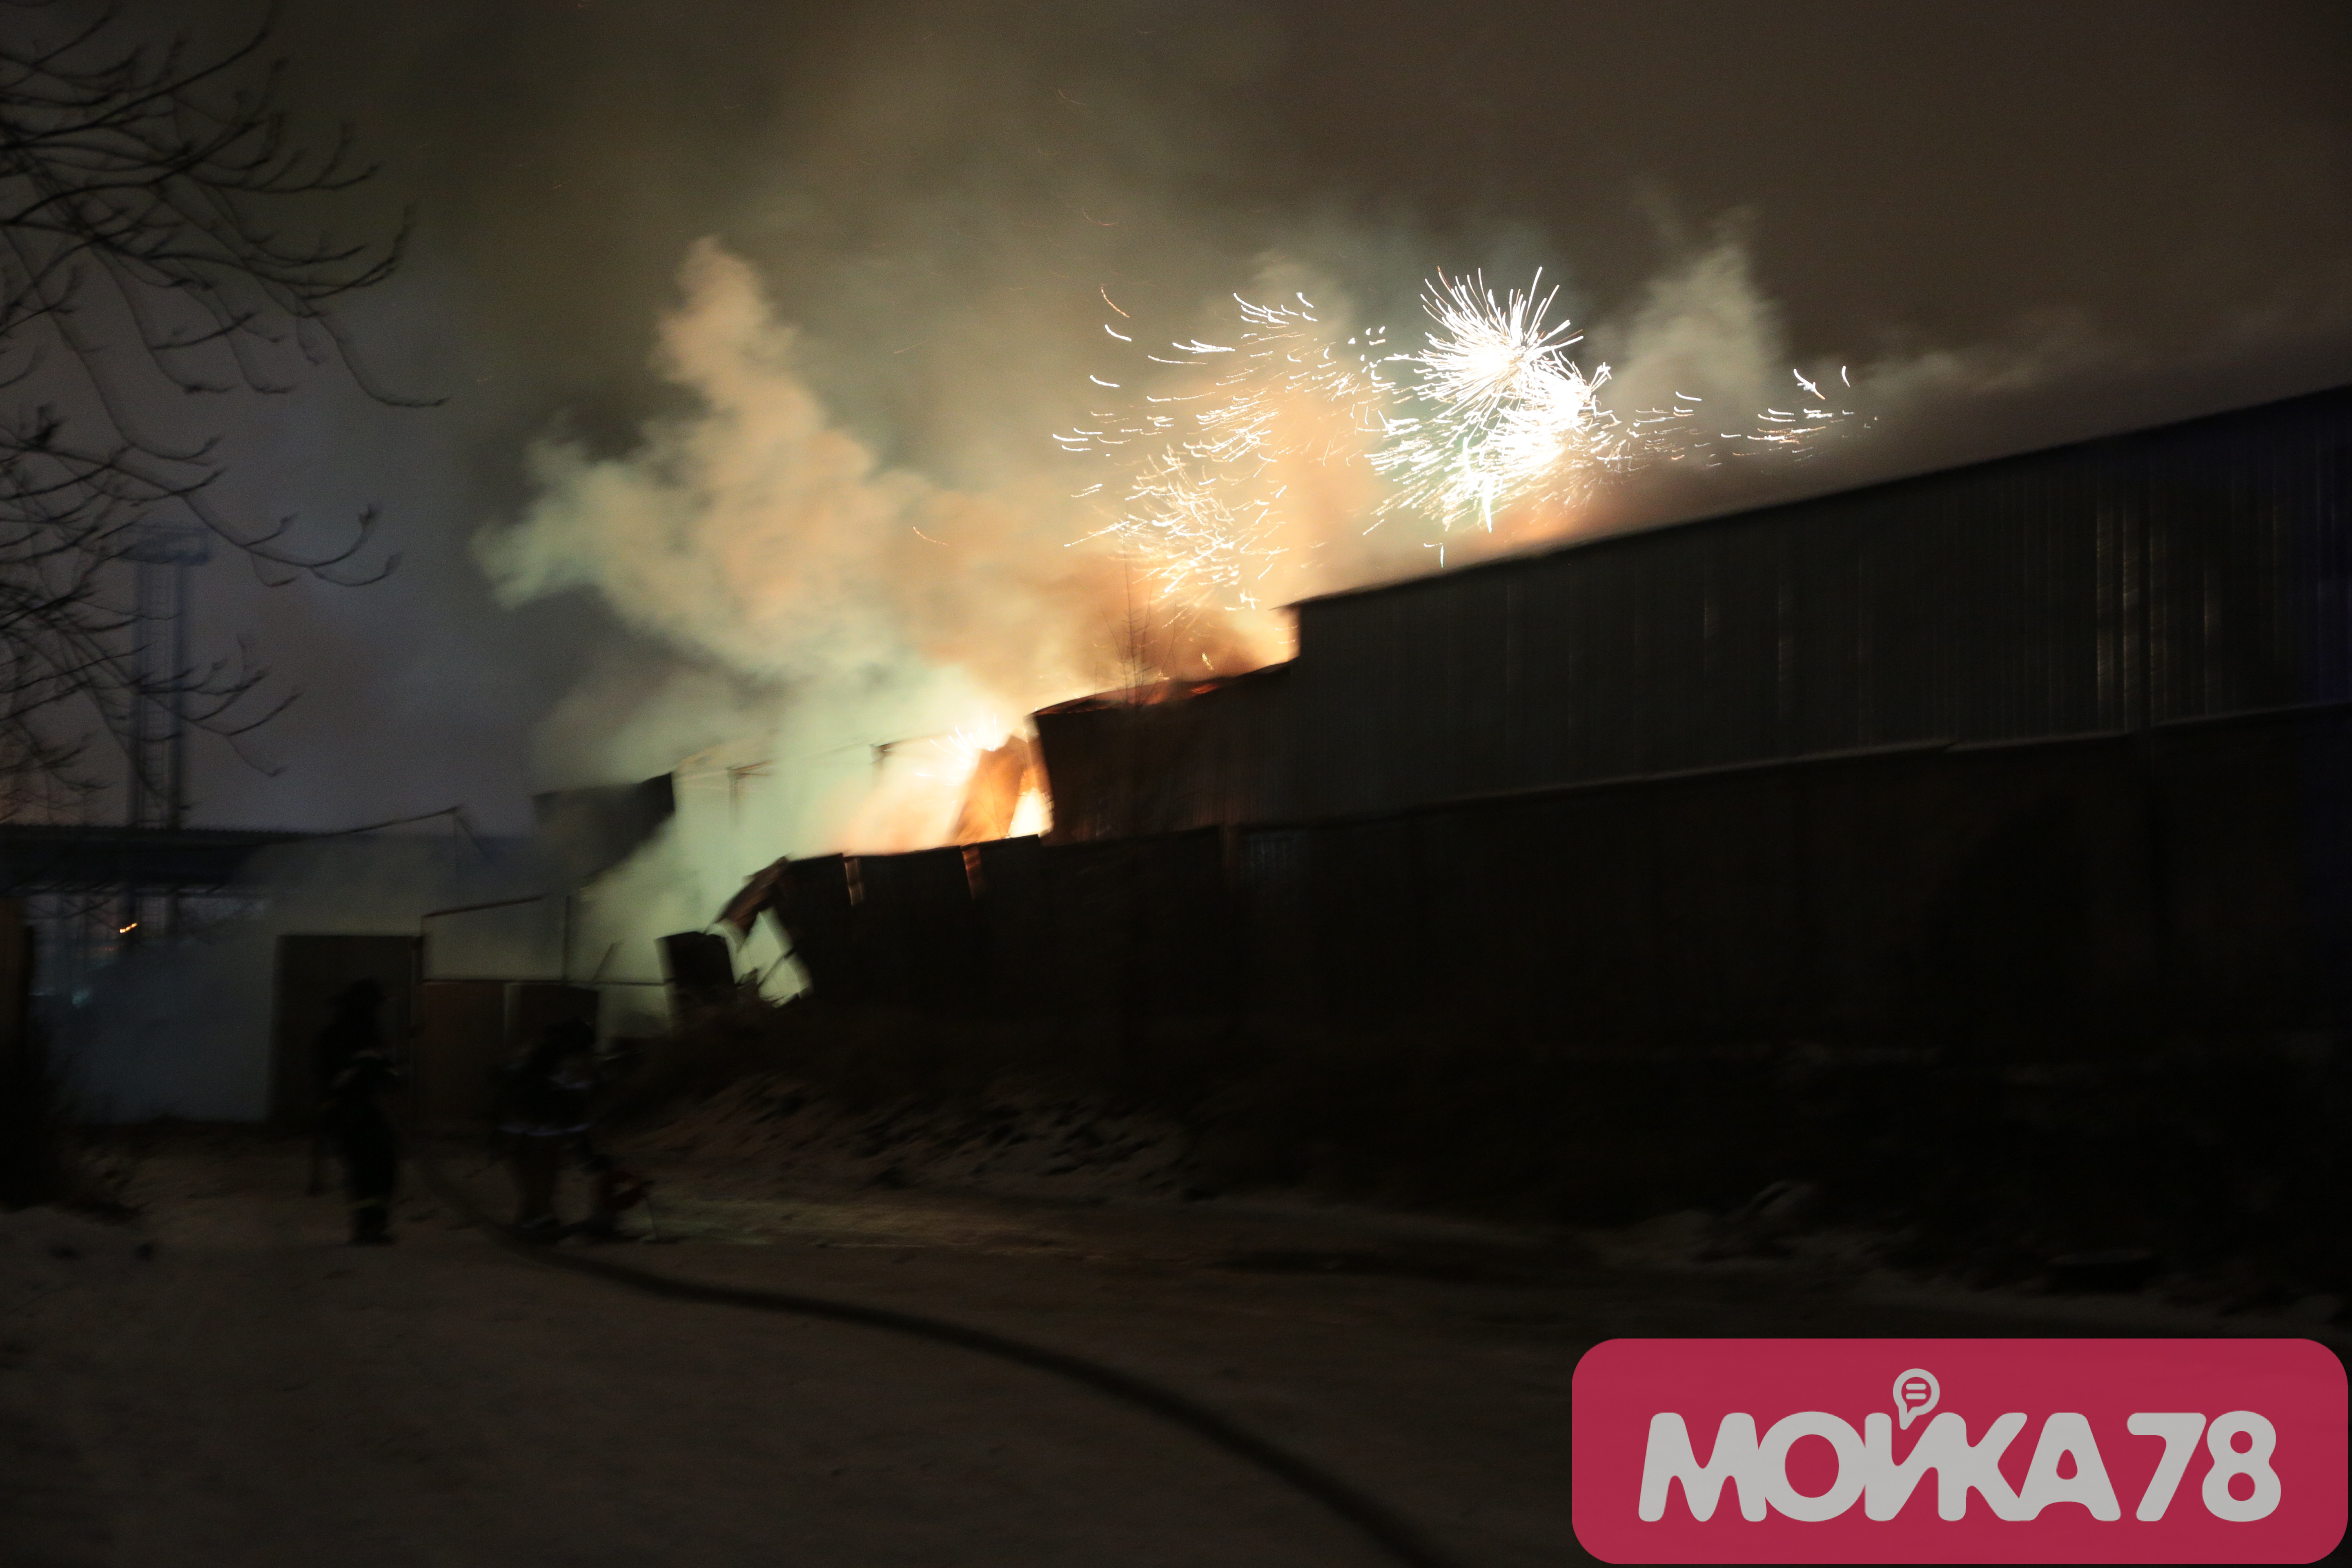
{"x": 142, "y": 192}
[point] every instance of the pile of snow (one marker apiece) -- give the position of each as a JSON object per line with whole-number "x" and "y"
{"x": 1026, "y": 1144}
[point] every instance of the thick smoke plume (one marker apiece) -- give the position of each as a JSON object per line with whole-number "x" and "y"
{"x": 852, "y": 529}
{"x": 873, "y": 630}
{"x": 760, "y": 534}
{"x": 755, "y": 533}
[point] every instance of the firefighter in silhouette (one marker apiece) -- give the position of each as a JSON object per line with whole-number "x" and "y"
{"x": 357, "y": 1115}
{"x": 350, "y": 1028}
{"x": 543, "y": 1115}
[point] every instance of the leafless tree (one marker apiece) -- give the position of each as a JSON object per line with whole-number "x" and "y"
{"x": 145, "y": 259}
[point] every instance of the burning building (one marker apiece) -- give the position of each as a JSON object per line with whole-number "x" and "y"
{"x": 2061, "y": 739}
{"x": 2164, "y": 577}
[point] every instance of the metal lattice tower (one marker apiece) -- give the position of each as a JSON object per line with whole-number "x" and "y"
{"x": 157, "y": 743}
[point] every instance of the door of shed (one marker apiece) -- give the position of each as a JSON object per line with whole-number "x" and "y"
{"x": 312, "y": 972}
{"x": 460, "y": 1046}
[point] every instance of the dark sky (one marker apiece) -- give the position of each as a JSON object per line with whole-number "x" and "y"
{"x": 2153, "y": 199}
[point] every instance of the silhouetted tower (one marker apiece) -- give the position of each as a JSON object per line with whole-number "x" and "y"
{"x": 157, "y": 778}
{"x": 158, "y": 793}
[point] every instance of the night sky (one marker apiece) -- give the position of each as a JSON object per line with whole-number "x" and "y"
{"x": 2105, "y": 215}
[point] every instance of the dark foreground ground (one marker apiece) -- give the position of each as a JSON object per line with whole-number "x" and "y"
{"x": 253, "y": 1394}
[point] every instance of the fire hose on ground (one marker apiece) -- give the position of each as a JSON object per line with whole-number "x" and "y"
{"x": 1395, "y": 1537}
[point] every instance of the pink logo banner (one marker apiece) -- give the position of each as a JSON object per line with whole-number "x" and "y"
{"x": 1960, "y": 1451}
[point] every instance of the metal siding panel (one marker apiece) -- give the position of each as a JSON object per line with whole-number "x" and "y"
{"x": 1017, "y": 921}
{"x": 1677, "y": 620}
{"x": 1821, "y": 607}
{"x": 1613, "y": 651}
{"x": 1904, "y": 604}
{"x": 1279, "y": 935}
{"x": 2327, "y": 481}
{"x": 2172, "y": 573}
{"x": 1546, "y": 696}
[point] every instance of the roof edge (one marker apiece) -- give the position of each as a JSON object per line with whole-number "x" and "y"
{"x": 1622, "y": 535}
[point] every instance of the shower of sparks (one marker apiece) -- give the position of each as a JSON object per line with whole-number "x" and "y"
{"x": 1510, "y": 416}
{"x": 1201, "y": 511}
{"x": 1492, "y": 411}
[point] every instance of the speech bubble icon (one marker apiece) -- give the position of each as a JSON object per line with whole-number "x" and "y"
{"x": 1915, "y": 1394}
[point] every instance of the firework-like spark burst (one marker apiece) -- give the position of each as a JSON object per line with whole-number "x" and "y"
{"x": 1486, "y": 355}
{"x": 1492, "y": 413}
{"x": 1508, "y": 416}
{"x": 1201, "y": 511}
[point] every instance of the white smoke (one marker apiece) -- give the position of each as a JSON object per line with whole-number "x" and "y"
{"x": 880, "y": 626}
{"x": 758, "y": 535}
{"x": 1704, "y": 329}
{"x": 857, "y": 632}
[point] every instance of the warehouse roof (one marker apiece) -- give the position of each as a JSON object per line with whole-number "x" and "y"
{"x": 2121, "y": 443}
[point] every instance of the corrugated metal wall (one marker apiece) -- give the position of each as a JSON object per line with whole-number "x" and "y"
{"x": 2193, "y": 877}
{"x": 1021, "y": 927}
{"x": 2187, "y": 572}
{"x": 1176, "y": 757}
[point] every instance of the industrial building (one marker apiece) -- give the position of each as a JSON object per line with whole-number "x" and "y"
{"x": 2058, "y": 745}
{"x": 2060, "y": 740}
{"x": 2186, "y": 573}
{"x": 2174, "y": 574}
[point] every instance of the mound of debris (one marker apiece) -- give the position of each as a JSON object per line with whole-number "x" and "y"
{"x": 1031, "y": 1145}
